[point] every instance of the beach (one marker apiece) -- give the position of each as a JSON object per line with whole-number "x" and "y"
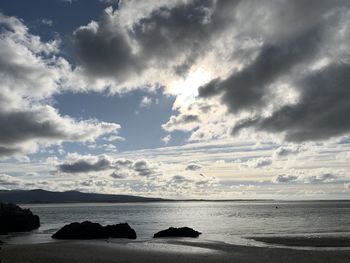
{"x": 166, "y": 250}
{"x": 253, "y": 232}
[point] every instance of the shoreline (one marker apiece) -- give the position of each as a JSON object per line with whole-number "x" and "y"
{"x": 164, "y": 250}
{"x": 305, "y": 241}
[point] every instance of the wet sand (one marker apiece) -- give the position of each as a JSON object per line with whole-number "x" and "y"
{"x": 162, "y": 251}
{"x": 306, "y": 241}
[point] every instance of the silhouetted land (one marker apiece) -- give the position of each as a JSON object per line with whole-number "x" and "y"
{"x": 38, "y": 196}
{"x": 42, "y": 196}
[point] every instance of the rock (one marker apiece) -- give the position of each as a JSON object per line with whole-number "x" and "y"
{"x": 121, "y": 231}
{"x": 89, "y": 230}
{"x": 15, "y": 219}
{"x": 85, "y": 230}
{"x": 177, "y": 232}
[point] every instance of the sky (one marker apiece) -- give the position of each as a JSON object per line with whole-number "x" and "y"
{"x": 177, "y": 99}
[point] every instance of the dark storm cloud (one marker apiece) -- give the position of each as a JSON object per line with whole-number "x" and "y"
{"x": 22, "y": 126}
{"x": 105, "y": 48}
{"x": 42, "y": 124}
{"x": 168, "y": 31}
{"x": 84, "y": 166}
{"x": 6, "y": 151}
{"x": 322, "y": 111}
{"x": 246, "y": 89}
{"x": 122, "y": 167}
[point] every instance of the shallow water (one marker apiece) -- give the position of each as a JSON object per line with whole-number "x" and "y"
{"x": 218, "y": 221}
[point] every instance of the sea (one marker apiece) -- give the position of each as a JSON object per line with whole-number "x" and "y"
{"x": 223, "y": 221}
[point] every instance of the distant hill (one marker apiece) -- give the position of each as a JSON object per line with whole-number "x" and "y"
{"x": 42, "y": 196}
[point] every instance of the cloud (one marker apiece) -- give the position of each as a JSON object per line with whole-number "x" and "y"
{"x": 113, "y": 138}
{"x": 146, "y": 102}
{"x": 321, "y": 111}
{"x": 31, "y": 72}
{"x": 166, "y": 139}
{"x": 150, "y": 42}
{"x": 7, "y": 151}
{"x": 116, "y": 168}
{"x": 181, "y": 122}
{"x": 117, "y": 175}
{"x": 322, "y": 178}
{"x": 261, "y": 75}
{"x": 258, "y": 162}
{"x": 85, "y": 166}
{"x": 315, "y": 177}
{"x": 193, "y": 167}
{"x": 103, "y": 48}
{"x": 44, "y": 124}
{"x": 320, "y": 79}
{"x": 283, "y": 178}
{"x": 28, "y": 67}
{"x": 187, "y": 182}
{"x": 283, "y": 151}
{"x": 136, "y": 174}
{"x": 143, "y": 168}
{"x": 179, "y": 179}
{"x": 9, "y": 182}
{"x": 247, "y": 89}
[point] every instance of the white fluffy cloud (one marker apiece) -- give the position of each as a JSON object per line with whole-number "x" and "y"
{"x": 31, "y": 73}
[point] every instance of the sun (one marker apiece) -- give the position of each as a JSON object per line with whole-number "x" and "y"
{"x": 187, "y": 88}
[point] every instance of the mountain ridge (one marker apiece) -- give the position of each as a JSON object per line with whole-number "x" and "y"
{"x": 37, "y": 196}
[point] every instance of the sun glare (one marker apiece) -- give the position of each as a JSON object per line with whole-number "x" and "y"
{"x": 187, "y": 88}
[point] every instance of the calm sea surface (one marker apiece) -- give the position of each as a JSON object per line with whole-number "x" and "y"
{"x": 219, "y": 221}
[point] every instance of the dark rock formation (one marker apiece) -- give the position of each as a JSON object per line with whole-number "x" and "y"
{"x": 15, "y": 219}
{"x": 121, "y": 231}
{"x": 89, "y": 230}
{"x": 177, "y": 232}
{"x": 85, "y": 230}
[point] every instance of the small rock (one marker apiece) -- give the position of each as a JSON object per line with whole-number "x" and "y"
{"x": 177, "y": 232}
